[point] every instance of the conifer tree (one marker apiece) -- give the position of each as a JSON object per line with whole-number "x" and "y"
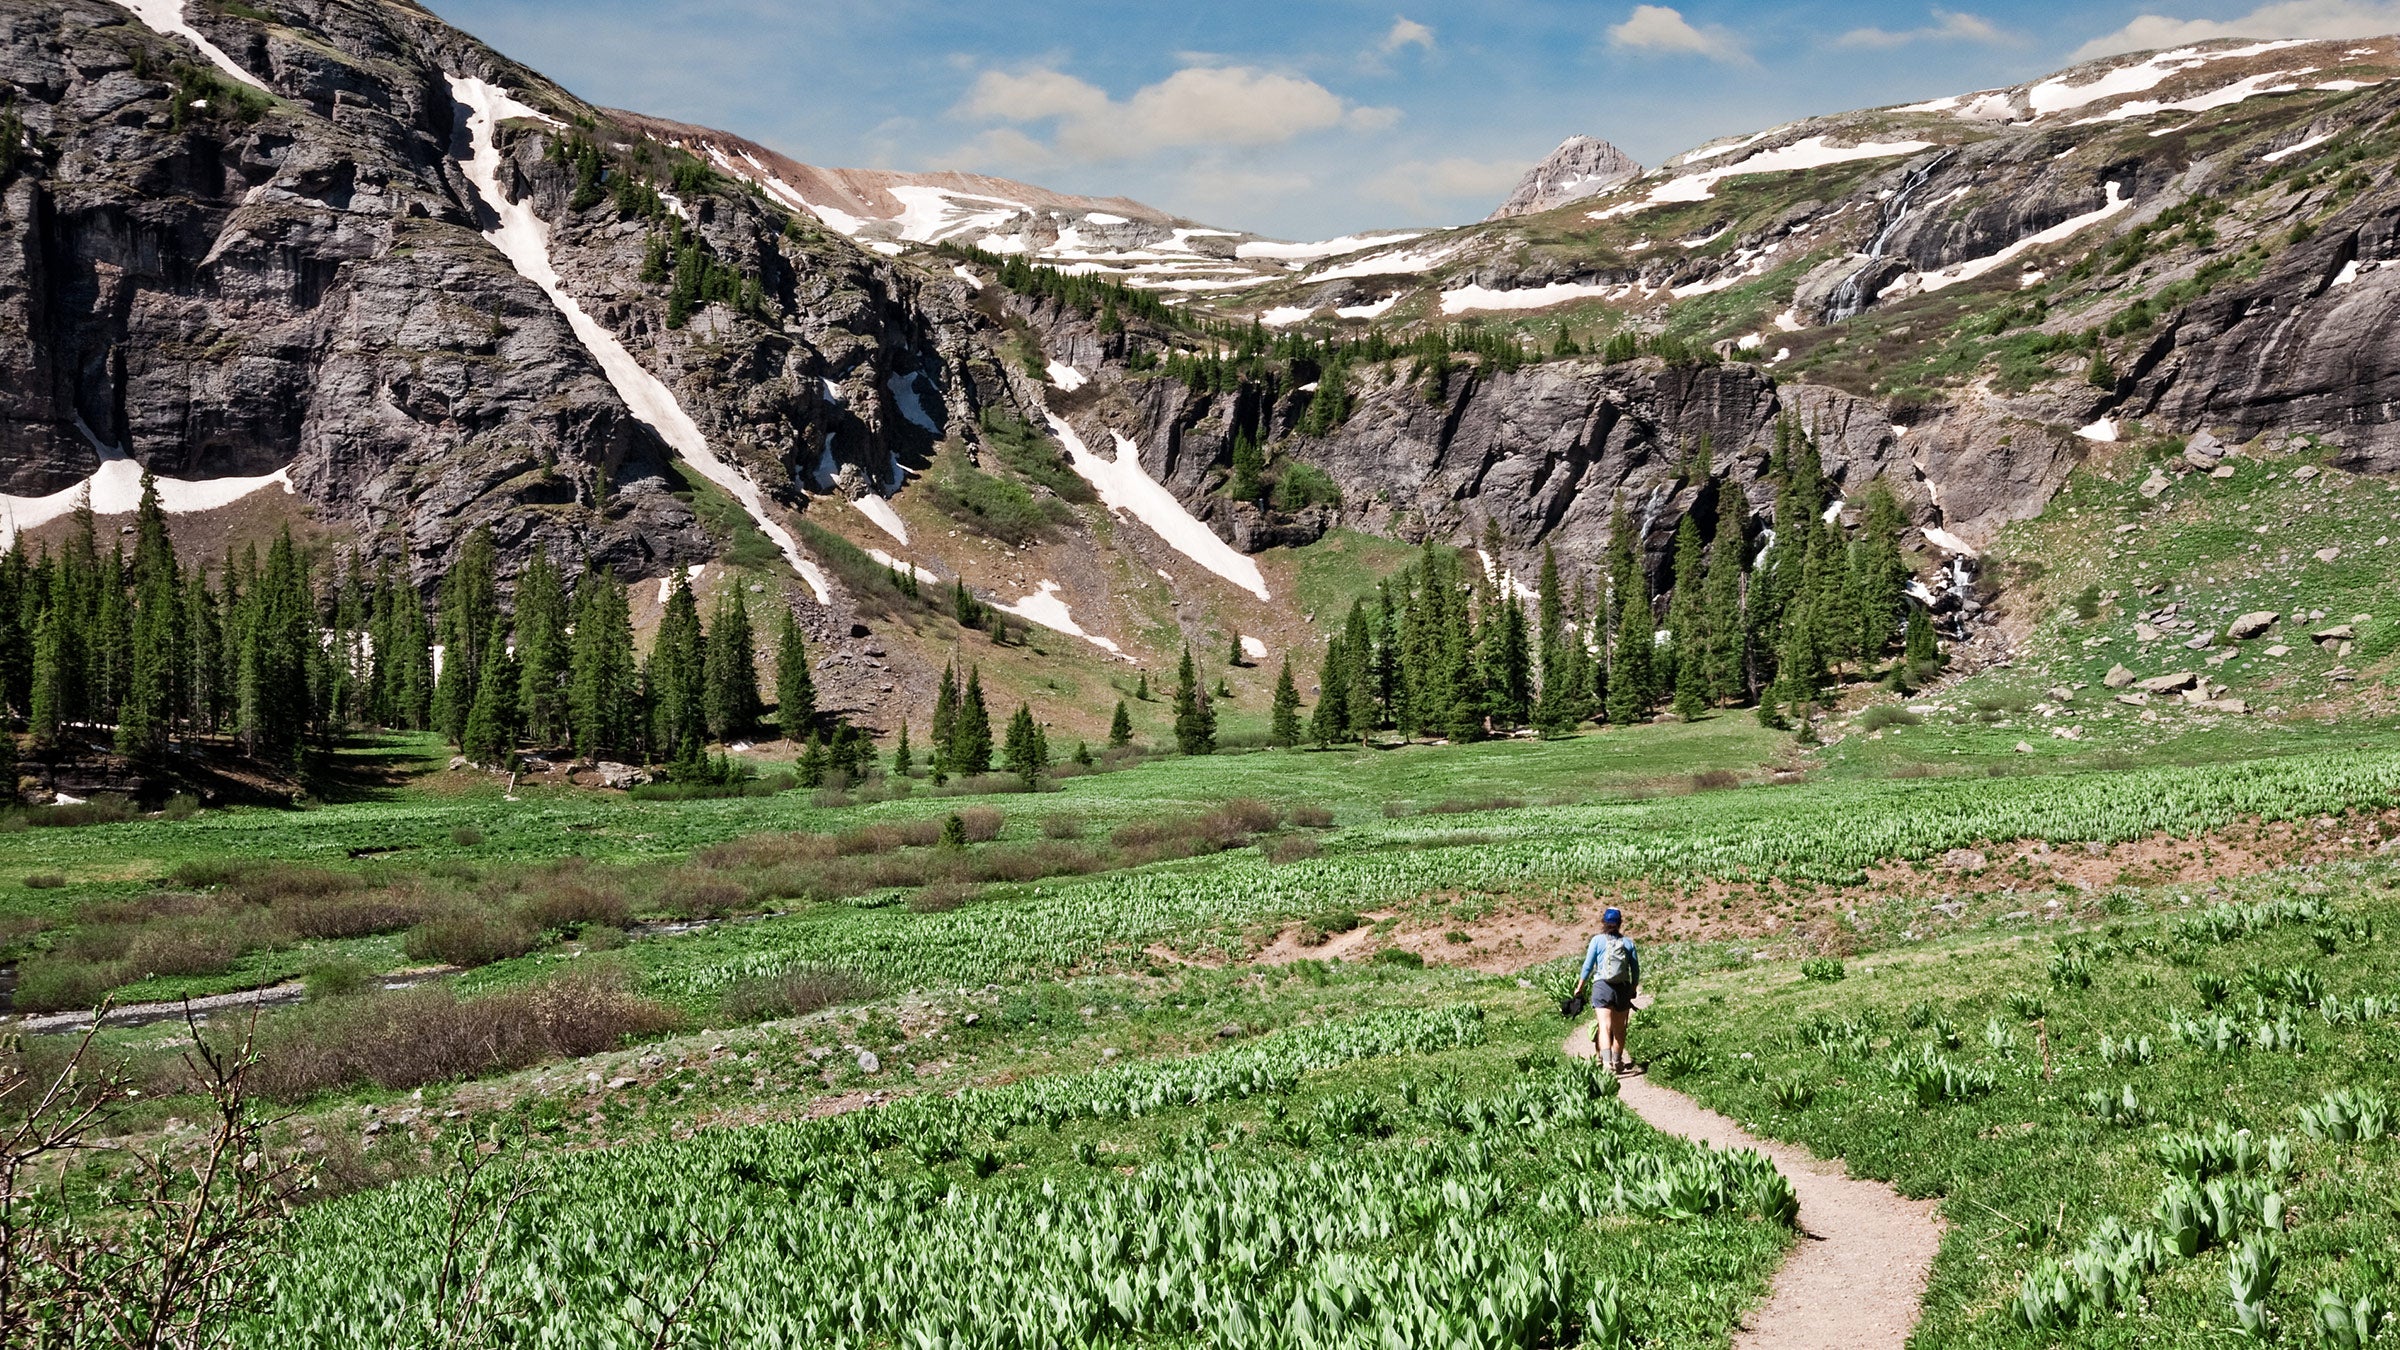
{"x": 470, "y": 604}
{"x": 796, "y": 684}
{"x": 971, "y": 737}
{"x": 204, "y": 685}
{"x": 604, "y": 687}
{"x": 17, "y": 616}
{"x": 903, "y": 759}
{"x": 945, "y": 721}
{"x": 1920, "y": 657}
{"x": 1026, "y": 752}
{"x": 1120, "y": 728}
{"x": 1511, "y": 688}
{"x": 1195, "y": 721}
{"x": 111, "y": 642}
{"x": 277, "y": 638}
{"x": 1329, "y": 724}
{"x": 1629, "y": 689}
{"x": 678, "y": 667}
{"x": 1687, "y": 652}
{"x": 1359, "y": 703}
{"x": 148, "y": 713}
{"x": 490, "y": 735}
{"x": 48, "y": 714}
{"x": 1880, "y": 577}
{"x": 730, "y": 670}
{"x": 544, "y": 651}
{"x": 1723, "y": 642}
{"x": 1283, "y": 716}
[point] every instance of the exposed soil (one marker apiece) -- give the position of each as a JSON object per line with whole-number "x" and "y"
{"x": 1857, "y": 1279}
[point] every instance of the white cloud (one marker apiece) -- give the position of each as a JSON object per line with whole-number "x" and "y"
{"x": 1947, "y": 26}
{"x": 2288, "y": 19}
{"x": 1658, "y": 28}
{"x": 1196, "y": 106}
{"x": 1406, "y": 32}
{"x": 1426, "y": 187}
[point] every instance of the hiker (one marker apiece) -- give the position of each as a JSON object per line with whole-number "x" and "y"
{"x": 1614, "y": 971}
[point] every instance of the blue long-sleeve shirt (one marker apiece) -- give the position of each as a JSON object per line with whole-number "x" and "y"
{"x": 1591, "y": 959}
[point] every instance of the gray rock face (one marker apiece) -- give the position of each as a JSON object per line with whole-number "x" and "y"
{"x": 1582, "y": 166}
{"x": 227, "y": 295}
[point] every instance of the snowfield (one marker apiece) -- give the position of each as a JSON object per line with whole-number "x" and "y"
{"x": 1045, "y": 608}
{"x": 1125, "y": 486}
{"x": 524, "y": 239}
{"x": 1813, "y": 152}
{"x": 880, "y": 511}
{"x": 166, "y": 16}
{"x": 115, "y": 489}
{"x": 1467, "y": 298}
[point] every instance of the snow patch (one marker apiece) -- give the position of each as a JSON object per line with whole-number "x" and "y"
{"x": 880, "y": 511}
{"x": 1385, "y": 264}
{"x": 1284, "y": 316}
{"x": 1813, "y": 152}
{"x": 524, "y": 239}
{"x": 974, "y": 283}
{"x": 1375, "y": 309}
{"x": 1943, "y": 539}
{"x": 899, "y": 565}
{"x": 2055, "y": 95}
{"x": 1975, "y": 267}
{"x": 1068, "y": 377}
{"x": 2246, "y": 88}
{"x": 1124, "y": 485}
{"x": 904, "y": 396}
{"x": 1531, "y": 297}
{"x": 1045, "y": 608}
{"x": 115, "y": 489}
{"x": 1253, "y": 648}
{"x": 1324, "y": 248}
{"x": 166, "y": 16}
{"x": 2104, "y": 431}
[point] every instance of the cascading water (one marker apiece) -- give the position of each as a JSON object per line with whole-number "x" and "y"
{"x": 1851, "y": 296}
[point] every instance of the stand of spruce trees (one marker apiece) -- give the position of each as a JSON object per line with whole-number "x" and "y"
{"x": 1445, "y": 648}
{"x": 144, "y": 651}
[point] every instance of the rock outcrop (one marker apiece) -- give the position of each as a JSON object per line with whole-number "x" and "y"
{"x": 1582, "y": 166}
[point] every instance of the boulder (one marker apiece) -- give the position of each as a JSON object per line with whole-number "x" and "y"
{"x": 619, "y": 776}
{"x": 2226, "y": 705}
{"x": 2252, "y": 624}
{"x": 2340, "y": 632}
{"x": 2168, "y": 684}
{"x": 2117, "y": 677}
{"x": 869, "y": 1062}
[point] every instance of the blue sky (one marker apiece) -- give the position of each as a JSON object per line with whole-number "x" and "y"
{"x": 1311, "y": 118}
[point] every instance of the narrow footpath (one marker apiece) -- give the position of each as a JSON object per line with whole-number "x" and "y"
{"x": 1857, "y": 1279}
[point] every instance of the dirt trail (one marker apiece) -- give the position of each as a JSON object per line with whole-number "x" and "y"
{"x": 1857, "y": 1278}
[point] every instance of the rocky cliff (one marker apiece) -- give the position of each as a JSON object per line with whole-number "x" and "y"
{"x": 1581, "y": 166}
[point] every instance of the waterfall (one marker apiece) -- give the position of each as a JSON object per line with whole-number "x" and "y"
{"x": 1851, "y": 296}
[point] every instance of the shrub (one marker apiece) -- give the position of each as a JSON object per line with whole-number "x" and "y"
{"x": 1310, "y": 816}
{"x": 1290, "y": 848}
{"x": 1823, "y": 969}
{"x": 559, "y": 903}
{"x": 1062, "y": 827}
{"x": 1320, "y": 929}
{"x": 1887, "y": 715}
{"x": 272, "y": 882}
{"x": 941, "y": 897}
{"x": 988, "y": 505}
{"x": 62, "y": 983}
{"x": 466, "y": 836}
{"x": 1715, "y": 780}
{"x": 200, "y": 946}
{"x": 105, "y": 808}
{"x": 1459, "y": 806}
{"x": 1397, "y": 956}
{"x": 339, "y": 977}
{"x": 702, "y": 898}
{"x": 982, "y": 824}
{"x": 468, "y": 936}
{"x": 412, "y": 1037}
{"x": 45, "y": 881}
{"x": 1250, "y": 815}
{"x": 793, "y": 993}
{"x": 355, "y": 913}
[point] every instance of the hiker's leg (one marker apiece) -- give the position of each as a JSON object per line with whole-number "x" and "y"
{"x": 1616, "y": 1036}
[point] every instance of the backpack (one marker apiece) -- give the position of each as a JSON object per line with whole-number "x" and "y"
{"x": 1616, "y": 962}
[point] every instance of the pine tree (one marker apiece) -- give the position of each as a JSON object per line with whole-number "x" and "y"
{"x": 903, "y": 759}
{"x": 48, "y": 714}
{"x": 490, "y": 735}
{"x": 1283, "y": 713}
{"x": 796, "y": 685}
{"x": 148, "y": 713}
{"x": 544, "y": 651}
{"x": 1120, "y": 728}
{"x": 730, "y": 670}
{"x": 1329, "y": 724}
{"x": 678, "y": 670}
{"x": 1880, "y": 578}
{"x": 1629, "y": 688}
{"x": 1195, "y": 721}
{"x": 17, "y": 615}
{"x": 1026, "y": 753}
{"x": 1723, "y": 642}
{"x": 204, "y": 635}
{"x": 1358, "y": 702}
{"x": 1921, "y": 657}
{"x": 1686, "y": 619}
{"x": 971, "y": 738}
{"x": 1249, "y": 465}
{"x": 276, "y": 640}
{"x": 111, "y": 643}
{"x": 470, "y": 605}
{"x": 945, "y": 721}
{"x": 604, "y": 687}
{"x": 1511, "y": 688}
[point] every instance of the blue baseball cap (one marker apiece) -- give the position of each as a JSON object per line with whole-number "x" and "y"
{"x": 1612, "y": 915}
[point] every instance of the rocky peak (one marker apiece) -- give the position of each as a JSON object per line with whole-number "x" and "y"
{"x": 1581, "y": 166}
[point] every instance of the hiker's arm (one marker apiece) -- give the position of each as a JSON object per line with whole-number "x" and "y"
{"x": 1591, "y": 958}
